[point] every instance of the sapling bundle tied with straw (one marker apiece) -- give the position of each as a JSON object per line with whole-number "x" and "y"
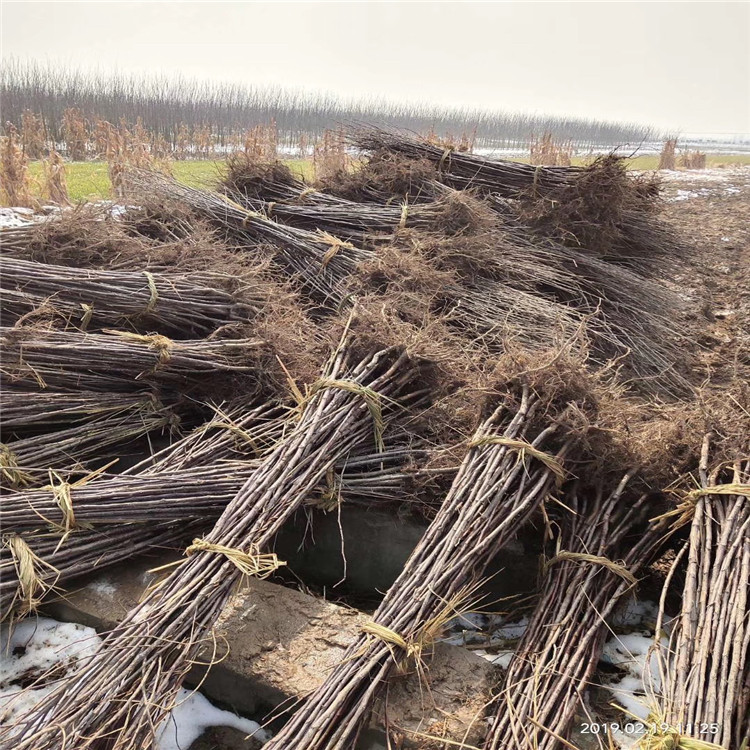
{"x": 319, "y": 261}
{"x": 27, "y": 461}
{"x": 175, "y": 304}
{"x": 265, "y": 188}
{"x": 704, "y": 699}
{"x": 603, "y": 540}
{"x": 168, "y": 496}
{"x": 118, "y": 698}
{"x": 30, "y": 411}
{"x": 122, "y": 361}
{"x": 514, "y": 461}
{"x": 461, "y": 169}
{"x": 238, "y": 431}
{"x": 35, "y": 566}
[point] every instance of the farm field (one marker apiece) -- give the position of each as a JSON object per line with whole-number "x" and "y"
{"x": 89, "y": 180}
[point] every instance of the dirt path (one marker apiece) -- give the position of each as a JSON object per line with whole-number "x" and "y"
{"x": 712, "y": 210}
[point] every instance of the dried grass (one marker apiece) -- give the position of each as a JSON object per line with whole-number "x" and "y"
{"x": 55, "y": 185}
{"x": 667, "y": 158}
{"x": 15, "y": 183}
{"x": 547, "y": 151}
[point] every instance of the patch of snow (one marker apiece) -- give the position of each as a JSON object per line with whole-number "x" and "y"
{"x": 32, "y": 649}
{"x": 41, "y": 647}
{"x": 499, "y": 658}
{"x": 511, "y": 631}
{"x": 193, "y": 714}
{"x": 103, "y": 587}
{"x": 637, "y": 655}
{"x": 16, "y": 216}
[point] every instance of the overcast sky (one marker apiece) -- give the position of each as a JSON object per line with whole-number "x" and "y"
{"x": 679, "y": 66}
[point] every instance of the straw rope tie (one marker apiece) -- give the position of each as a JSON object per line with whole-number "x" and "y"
{"x": 671, "y": 739}
{"x": 523, "y": 447}
{"x": 26, "y": 562}
{"x": 161, "y": 344}
{"x": 404, "y": 215}
{"x": 64, "y": 499}
{"x": 535, "y": 180}
{"x": 412, "y": 647}
{"x": 446, "y": 155}
{"x": 63, "y": 496}
{"x": 251, "y": 563}
{"x": 154, "y": 298}
{"x": 88, "y": 313}
{"x": 616, "y": 568}
{"x": 335, "y": 245}
{"x": 269, "y": 208}
{"x": 9, "y": 467}
{"x": 371, "y": 398}
{"x": 720, "y": 489}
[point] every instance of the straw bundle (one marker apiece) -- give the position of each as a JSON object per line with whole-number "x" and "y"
{"x": 119, "y": 697}
{"x": 118, "y": 361}
{"x": 319, "y": 261}
{"x": 168, "y": 496}
{"x": 705, "y": 671}
{"x": 348, "y": 220}
{"x": 506, "y": 475}
{"x": 185, "y": 305}
{"x": 602, "y": 542}
{"x": 256, "y": 182}
{"x": 32, "y": 567}
{"x": 496, "y": 313}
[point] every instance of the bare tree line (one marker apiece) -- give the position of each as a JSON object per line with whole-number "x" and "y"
{"x": 168, "y": 104}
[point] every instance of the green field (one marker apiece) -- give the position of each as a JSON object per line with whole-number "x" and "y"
{"x": 88, "y": 180}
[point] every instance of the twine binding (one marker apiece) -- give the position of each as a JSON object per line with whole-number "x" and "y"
{"x": 335, "y": 245}
{"x": 720, "y": 489}
{"x": 404, "y": 215}
{"x": 411, "y": 648}
{"x": 28, "y": 564}
{"x": 163, "y": 345}
{"x": 371, "y": 398}
{"x": 9, "y": 467}
{"x": 154, "y": 298}
{"x": 523, "y": 447}
{"x": 615, "y": 567}
{"x": 251, "y": 563}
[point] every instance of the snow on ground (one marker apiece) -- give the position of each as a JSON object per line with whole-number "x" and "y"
{"x": 635, "y": 654}
{"x": 42, "y": 646}
{"x": 630, "y": 648}
{"x": 193, "y": 714}
{"x": 495, "y": 633}
{"x": 16, "y": 216}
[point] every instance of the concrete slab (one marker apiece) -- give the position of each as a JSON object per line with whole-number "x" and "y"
{"x": 281, "y": 645}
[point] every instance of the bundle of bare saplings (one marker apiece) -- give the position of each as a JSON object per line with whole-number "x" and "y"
{"x": 485, "y": 343}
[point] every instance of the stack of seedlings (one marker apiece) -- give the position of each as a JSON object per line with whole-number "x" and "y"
{"x": 529, "y": 267}
{"x": 602, "y": 540}
{"x": 704, "y": 696}
{"x": 182, "y": 305}
{"x": 445, "y": 281}
{"x": 318, "y": 261}
{"x": 512, "y": 463}
{"x": 99, "y": 364}
{"x": 124, "y": 691}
